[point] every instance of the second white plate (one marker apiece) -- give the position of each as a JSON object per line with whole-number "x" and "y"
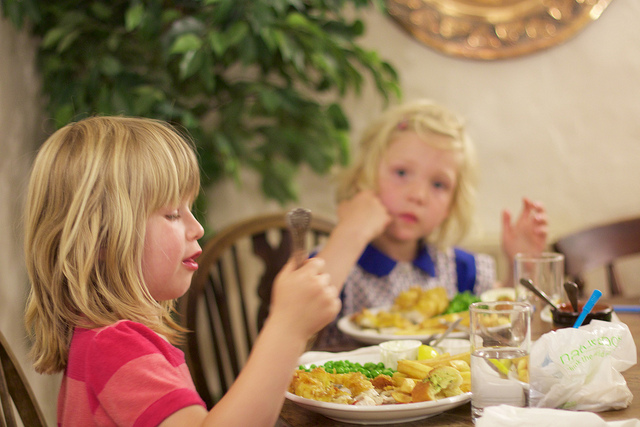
{"x": 373, "y": 336}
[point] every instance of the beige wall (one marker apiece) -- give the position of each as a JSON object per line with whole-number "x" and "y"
{"x": 21, "y": 127}
{"x": 559, "y": 125}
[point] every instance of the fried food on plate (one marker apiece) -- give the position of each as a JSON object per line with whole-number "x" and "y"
{"x": 409, "y": 309}
{"x": 415, "y": 381}
{"x": 426, "y": 302}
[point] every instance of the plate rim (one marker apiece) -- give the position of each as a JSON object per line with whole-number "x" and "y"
{"x": 399, "y": 407}
{"x": 346, "y": 326}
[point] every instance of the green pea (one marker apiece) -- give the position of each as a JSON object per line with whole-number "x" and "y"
{"x": 369, "y": 369}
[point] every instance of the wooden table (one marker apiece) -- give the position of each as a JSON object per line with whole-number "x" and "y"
{"x": 293, "y": 415}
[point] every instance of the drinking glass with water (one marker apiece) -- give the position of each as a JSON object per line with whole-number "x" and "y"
{"x": 500, "y": 346}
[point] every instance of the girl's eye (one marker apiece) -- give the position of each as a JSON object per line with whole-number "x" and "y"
{"x": 173, "y": 215}
{"x": 441, "y": 185}
{"x": 401, "y": 172}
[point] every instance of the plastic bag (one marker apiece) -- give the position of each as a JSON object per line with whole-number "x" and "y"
{"x": 580, "y": 369}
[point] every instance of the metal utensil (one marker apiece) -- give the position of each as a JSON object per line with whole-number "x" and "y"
{"x": 572, "y": 293}
{"x": 595, "y": 296}
{"x": 298, "y": 221}
{"x": 527, "y": 283}
{"x": 450, "y": 329}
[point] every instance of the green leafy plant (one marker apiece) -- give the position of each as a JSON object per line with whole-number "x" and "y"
{"x": 255, "y": 82}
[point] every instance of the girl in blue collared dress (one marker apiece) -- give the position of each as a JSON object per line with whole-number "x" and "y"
{"x": 404, "y": 203}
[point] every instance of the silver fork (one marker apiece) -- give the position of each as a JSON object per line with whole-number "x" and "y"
{"x": 298, "y": 221}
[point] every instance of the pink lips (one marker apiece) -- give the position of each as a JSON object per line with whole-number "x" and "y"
{"x": 408, "y": 217}
{"x": 190, "y": 262}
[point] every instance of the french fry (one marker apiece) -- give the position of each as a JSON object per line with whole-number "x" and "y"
{"x": 444, "y": 359}
{"x": 401, "y": 397}
{"x": 407, "y": 385}
{"x": 460, "y": 365}
{"x": 413, "y": 369}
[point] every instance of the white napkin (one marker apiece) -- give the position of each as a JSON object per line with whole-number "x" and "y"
{"x": 510, "y": 416}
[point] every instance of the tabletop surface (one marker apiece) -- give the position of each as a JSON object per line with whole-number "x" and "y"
{"x": 293, "y": 415}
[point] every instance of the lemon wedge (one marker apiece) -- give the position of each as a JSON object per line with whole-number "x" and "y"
{"x": 426, "y": 352}
{"x": 502, "y": 367}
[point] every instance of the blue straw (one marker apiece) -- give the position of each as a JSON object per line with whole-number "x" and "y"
{"x": 595, "y": 296}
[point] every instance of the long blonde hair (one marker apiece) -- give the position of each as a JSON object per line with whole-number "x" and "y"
{"x": 93, "y": 185}
{"x": 422, "y": 117}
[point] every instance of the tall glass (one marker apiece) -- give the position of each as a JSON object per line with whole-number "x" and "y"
{"x": 500, "y": 347}
{"x": 546, "y": 271}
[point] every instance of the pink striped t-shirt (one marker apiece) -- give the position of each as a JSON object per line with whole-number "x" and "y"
{"x": 124, "y": 374}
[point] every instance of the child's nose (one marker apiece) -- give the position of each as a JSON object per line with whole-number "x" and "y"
{"x": 195, "y": 230}
{"x": 419, "y": 194}
{"x": 199, "y": 232}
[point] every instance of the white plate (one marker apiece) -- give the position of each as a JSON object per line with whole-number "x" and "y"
{"x": 454, "y": 346}
{"x": 497, "y": 293}
{"x": 373, "y": 336}
{"x": 383, "y": 414}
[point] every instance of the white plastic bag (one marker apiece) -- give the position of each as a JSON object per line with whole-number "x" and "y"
{"x": 580, "y": 369}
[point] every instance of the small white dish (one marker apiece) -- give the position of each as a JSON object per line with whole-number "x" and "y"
{"x": 392, "y": 351}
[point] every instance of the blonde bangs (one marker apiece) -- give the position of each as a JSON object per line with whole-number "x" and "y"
{"x": 170, "y": 170}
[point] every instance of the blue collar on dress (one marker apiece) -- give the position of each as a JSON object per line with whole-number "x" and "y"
{"x": 375, "y": 262}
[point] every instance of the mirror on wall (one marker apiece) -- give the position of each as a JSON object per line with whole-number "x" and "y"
{"x": 494, "y": 29}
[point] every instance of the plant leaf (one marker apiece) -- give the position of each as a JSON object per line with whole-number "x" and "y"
{"x": 133, "y": 17}
{"x": 185, "y": 43}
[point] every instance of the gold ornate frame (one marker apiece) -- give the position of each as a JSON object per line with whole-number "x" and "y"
{"x": 494, "y": 29}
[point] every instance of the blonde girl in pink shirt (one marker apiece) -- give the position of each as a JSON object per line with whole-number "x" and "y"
{"x": 110, "y": 244}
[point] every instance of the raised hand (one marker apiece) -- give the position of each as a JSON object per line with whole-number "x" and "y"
{"x": 360, "y": 220}
{"x": 303, "y": 300}
{"x": 529, "y": 232}
{"x": 365, "y": 214}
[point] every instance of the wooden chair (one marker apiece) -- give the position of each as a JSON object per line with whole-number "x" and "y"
{"x": 16, "y": 392}
{"x": 220, "y": 310}
{"x": 600, "y": 246}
